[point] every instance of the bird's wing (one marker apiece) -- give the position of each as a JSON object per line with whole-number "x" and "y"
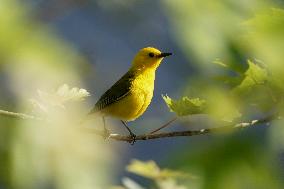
{"x": 118, "y": 91}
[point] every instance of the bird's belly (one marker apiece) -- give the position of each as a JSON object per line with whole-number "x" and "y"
{"x": 130, "y": 107}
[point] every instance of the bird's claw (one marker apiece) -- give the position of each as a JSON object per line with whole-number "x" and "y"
{"x": 133, "y": 138}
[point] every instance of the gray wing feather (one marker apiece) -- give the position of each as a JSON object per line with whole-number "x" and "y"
{"x": 118, "y": 91}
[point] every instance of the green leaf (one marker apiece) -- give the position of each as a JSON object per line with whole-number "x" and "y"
{"x": 185, "y": 106}
{"x": 254, "y": 75}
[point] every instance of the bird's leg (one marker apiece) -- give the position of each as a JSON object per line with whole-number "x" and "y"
{"x": 133, "y": 136}
{"x": 106, "y": 131}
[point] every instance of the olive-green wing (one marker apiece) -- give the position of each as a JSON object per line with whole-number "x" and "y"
{"x": 118, "y": 91}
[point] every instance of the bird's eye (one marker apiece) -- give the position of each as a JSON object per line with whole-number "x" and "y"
{"x": 151, "y": 55}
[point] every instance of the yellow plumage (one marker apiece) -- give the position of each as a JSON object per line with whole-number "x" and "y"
{"x": 130, "y": 96}
{"x": 136, "y": 102}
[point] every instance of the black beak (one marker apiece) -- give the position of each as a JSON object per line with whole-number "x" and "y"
{"x": 164, "y": 55}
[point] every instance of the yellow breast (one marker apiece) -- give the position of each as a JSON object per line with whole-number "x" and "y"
{"x": 136, "y": 102}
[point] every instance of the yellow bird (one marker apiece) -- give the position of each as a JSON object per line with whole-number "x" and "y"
{"x": 130, "y": 96}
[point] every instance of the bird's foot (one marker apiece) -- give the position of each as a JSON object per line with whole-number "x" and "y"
{"x": 133, "y": 138}
{"x": 106, "y": 133}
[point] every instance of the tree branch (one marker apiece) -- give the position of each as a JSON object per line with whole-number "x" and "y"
{"x": 187, "y": 133}
{"x": 154, "y": 135}
{"x": 18, "y": 115}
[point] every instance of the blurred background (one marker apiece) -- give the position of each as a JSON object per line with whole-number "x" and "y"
{"x": 89, "y": 44}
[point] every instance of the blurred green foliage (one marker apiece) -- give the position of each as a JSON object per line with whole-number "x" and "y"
{"x": 151, "y": 170}
{"x": 244, "y": 40}
{"x": 254, "y": 89}
{"x": 237, "y": 48}
{"x": 47, "y": 154}
{"x": 162, "y": 178}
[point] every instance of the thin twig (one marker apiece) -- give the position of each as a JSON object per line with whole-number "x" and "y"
{"x": 154, "y": 135}
{"x": 163, "y": 126}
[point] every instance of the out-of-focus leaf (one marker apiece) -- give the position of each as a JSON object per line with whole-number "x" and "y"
{"x": 150, "y": 169}
{"x": 185, "y": 106}
{"x": 222, "y": 105}
{"x": 220, "y": 63}
{"x": 233, "y": 75}
{"x": 231, "y": 81}
{"x": 264, "y": 37}
{"x": 58, "y": 99}
{"x": 117, "y": 187}
{"x": 235, "y": 67}
{"x": 131, "y": 184}
{"x": 230, "y": 115}
{"x": 72, "y": 94}
{"x": 169, "y": 184}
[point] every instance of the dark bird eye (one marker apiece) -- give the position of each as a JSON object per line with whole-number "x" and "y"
{"x": 151, "y": 54}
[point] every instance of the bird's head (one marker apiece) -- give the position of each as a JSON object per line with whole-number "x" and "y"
{"x": 148, "y": 58}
